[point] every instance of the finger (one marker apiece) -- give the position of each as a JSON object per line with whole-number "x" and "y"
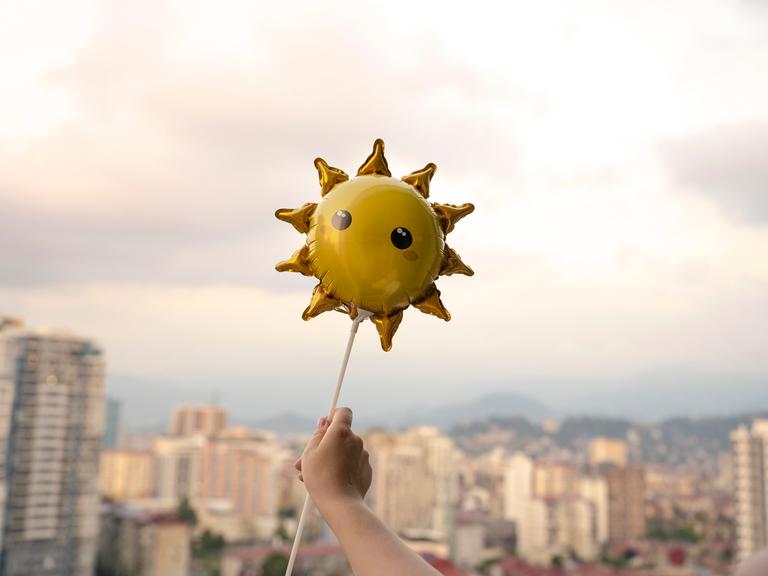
{"x": 363, "y": 462}
{"x": 322, "y": 427}
{"x": 364, "y": 473}
{"x": 341, "y": 420}
{"x": 367, "y": 478}
{"x": 356, "y": 443}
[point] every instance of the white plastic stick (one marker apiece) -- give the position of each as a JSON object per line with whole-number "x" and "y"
{"x": 362, "y": 315}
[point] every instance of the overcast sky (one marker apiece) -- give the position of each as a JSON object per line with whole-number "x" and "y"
{"x": 616, "y": 152}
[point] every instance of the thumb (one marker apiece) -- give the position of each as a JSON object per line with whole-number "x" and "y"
{"x": 341, "y": 422}
{"x": 322, "y": 426}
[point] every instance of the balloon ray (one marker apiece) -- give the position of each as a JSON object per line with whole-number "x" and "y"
{"x": 420, "y": 179}
{"x": 449, "y": 214}
{"x": 452, "y": 264}
{"x": 329, "y": 176}
{"x": 320, "y": 302}
{"x": 376, "y": 163}
{"x": 431, "y": 304}
{"x": 299, "y": 262}
{"x": 299, "y": 218}
{"x": 349, "y": 308}
{"x": 387, "y": 325}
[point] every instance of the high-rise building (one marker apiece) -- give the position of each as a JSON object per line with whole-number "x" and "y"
{"x": 51, "y": 428}
{"x": 192, "y": 419}
{"x": 143, "y": 543}
{"x": 750, "y": 470}
{"x": 626, "y": 503}
{"x": 594, "y": 490}
{"x": 415, "y": 484}
{"x": 556, "y": 510}
{"x": 230, "y": 475}
{"x": 575, "y": 527}
{"x": 178, "y": 467}
{"x": 607, "y": 451}
{"x": 112, "y": 425}
{"x": 518, "y": 486}
{"x": 555, "y": 480}
{"x": 240, "y": 472}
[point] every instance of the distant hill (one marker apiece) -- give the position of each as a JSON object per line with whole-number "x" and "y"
{"x": 445, "y": 417}
{"x": 670, "y": 441}
{"x": 500, "y": 404}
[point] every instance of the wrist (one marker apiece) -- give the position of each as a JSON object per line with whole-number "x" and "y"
{"x": 337, "y": 512}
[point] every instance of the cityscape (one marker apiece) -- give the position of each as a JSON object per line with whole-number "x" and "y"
{"x": 504, "y": 496}
{"x": 597, "y": 404}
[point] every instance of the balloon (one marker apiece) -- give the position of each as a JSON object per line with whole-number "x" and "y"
{"x": 375, "y": 243}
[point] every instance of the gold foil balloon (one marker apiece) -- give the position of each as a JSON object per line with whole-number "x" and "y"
{"x": 375, "y": 243}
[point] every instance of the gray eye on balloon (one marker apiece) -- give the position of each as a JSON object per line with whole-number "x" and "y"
{"x": 341, "y": 219}
{"x": 401, "y": 238}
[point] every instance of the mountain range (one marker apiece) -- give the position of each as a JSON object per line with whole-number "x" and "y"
{"x": 647, "y": 398}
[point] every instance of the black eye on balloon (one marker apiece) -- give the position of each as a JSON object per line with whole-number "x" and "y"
{"x": 341, "y": 219}
{"x": 401, "y": 238}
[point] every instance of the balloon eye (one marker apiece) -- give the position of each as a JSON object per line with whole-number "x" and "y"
{"x": 401, "y": 238}
{"x": 341, "y": 220}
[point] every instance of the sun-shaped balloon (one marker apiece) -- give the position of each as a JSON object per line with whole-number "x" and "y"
{"x": 375, "y": 243}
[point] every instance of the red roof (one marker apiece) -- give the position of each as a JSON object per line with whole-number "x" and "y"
{"x": 445, "y": 567}
{"x": 262, "y": 552}
{"x": 518, "y": 567}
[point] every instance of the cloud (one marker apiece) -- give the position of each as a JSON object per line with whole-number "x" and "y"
{"x": 729, "y": 165}
{"x": 172, "y": 162}
{"x": 139, "y": 208}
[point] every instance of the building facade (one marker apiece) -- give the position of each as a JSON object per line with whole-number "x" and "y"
{"x": 750, "y": 459}
{"x": 51, "y": 429}
{"x": 143, "y": 543}
{"x": 415, "y": 483}
{"x": 229, "y": 475}
{"x": 608, "y": 451}
{"x": 189, "y": 419}
{"x": 626, "y": 503}
{"x": 240, "y": 471}
{"x": 127, "y": 474}
{"x": 179, "y": 467}
{"x": 557, "y": 510}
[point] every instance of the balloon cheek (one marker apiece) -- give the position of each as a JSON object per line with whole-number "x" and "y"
{"x": 410, "y": 255}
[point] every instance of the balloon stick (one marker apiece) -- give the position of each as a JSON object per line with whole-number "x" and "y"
{"x": 362, "y": 315}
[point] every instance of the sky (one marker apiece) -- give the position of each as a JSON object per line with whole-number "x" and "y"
{"x": 615, "y": 152}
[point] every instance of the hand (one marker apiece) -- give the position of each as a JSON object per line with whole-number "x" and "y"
{"x": 334, "y": 465}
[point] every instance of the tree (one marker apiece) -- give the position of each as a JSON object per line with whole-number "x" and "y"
{"x": 208, "y": 544}
{"x": 282, "y": 534}
{"x": 274, "y": 565}
{"x": 186, "y": 513}
{"x": 287, "y": 512}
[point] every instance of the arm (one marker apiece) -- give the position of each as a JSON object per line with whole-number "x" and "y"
{"x": 337, "y": 473}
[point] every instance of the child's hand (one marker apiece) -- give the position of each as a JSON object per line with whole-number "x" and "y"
{"x": 334, "y": 465}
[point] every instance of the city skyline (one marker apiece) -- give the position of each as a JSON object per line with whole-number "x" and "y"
{"x": 585, "y": 504}
{"x": 493, "y": 497}
{"x": 614, "y": 155}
